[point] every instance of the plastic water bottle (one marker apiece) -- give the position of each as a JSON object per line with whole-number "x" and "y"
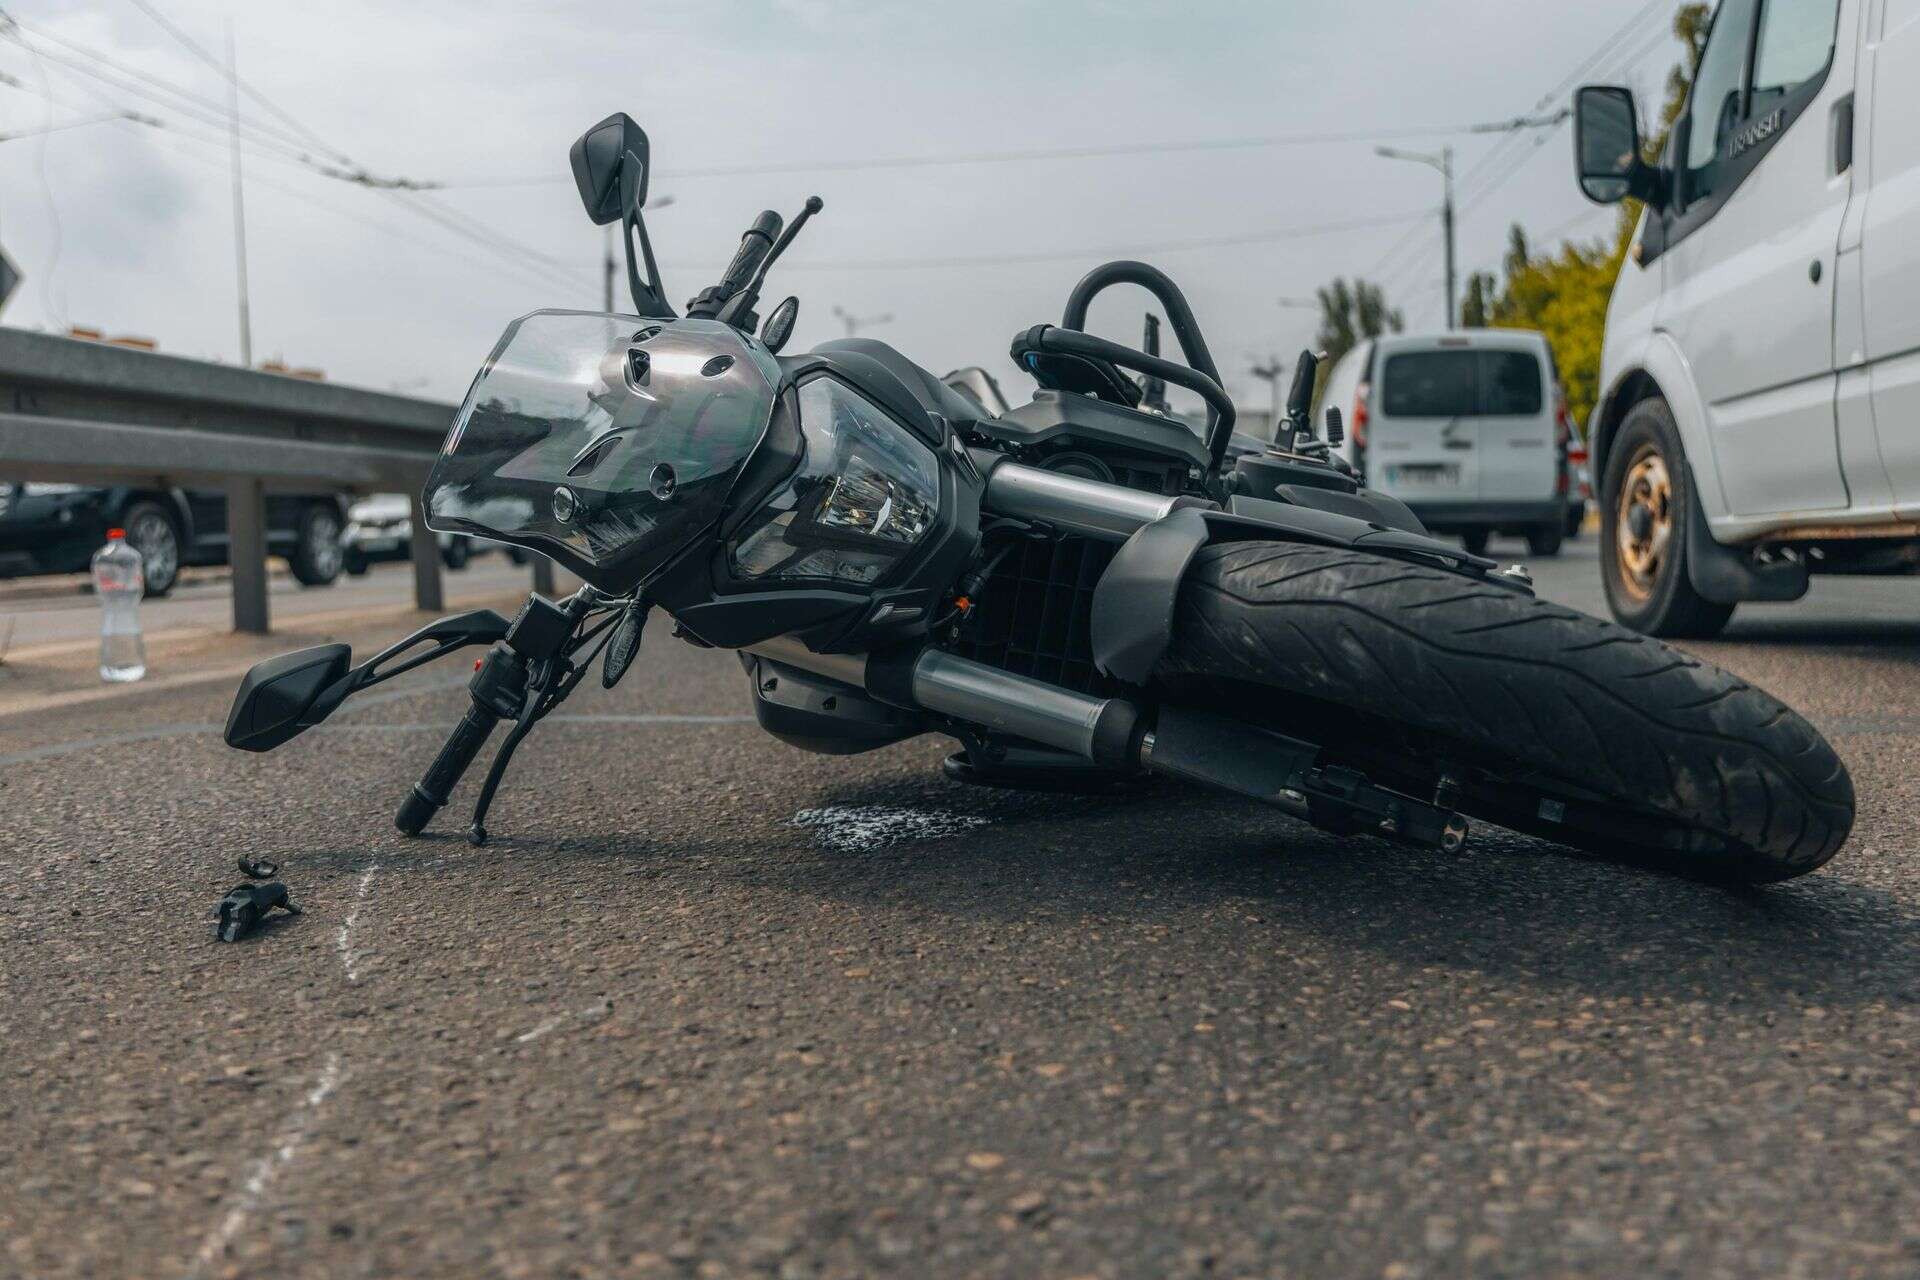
{"x": 119, "y": 581}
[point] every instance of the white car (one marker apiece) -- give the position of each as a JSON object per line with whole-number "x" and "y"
{"x": 1759, "y": 408}
{"x": 380, "y": 528}
{"x": 1469, "y": 429}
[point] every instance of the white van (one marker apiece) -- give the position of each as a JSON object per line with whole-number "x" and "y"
{"x": 1468, "y": 428}
{"x": 1759, "y": 408}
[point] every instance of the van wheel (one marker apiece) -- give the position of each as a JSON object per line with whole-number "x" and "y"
{"x": 456, "y": 554}
{"x": 1475, "y": 540}
{"x": 1646, "y": 496}
{"x": 316, "y": 552}
{"x": 1545, "y": 539}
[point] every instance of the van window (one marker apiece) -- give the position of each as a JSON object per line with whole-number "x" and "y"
{"x": 1796, "y": 43}
{"x": 1719, "y": 87}
{"x": 1453, "y": 384}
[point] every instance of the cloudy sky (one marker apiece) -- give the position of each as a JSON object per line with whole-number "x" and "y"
{"x": 128, "y": 226}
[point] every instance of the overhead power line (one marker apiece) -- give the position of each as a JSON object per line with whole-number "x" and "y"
{"x": 1046, "y": 153}
{"x": 1506, "y": 157}
{"x": 192, "y": 46}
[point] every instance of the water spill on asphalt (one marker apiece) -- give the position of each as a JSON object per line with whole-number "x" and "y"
{"x": 871, "y": 828}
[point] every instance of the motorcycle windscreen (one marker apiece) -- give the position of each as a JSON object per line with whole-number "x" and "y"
{"x": 608, "y": 442}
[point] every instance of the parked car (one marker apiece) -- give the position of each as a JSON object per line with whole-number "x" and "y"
{"x": 56, "y": 528}
{"x": 381, "y": 528}
{"x": 1467, "y": 428}
{"x": 1759, "y": 408}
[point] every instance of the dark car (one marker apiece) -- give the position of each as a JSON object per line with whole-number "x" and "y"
{"x": 56, "y": 528}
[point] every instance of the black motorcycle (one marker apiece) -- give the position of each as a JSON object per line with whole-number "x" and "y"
{"x": 1081, "y": 591}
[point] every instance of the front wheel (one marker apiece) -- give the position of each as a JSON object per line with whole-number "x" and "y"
{"x": 1550, "y": 721}
{"x": 1646, "y": 502}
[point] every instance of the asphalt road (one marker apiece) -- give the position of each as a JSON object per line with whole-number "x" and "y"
{"x": 712, "y": 1007}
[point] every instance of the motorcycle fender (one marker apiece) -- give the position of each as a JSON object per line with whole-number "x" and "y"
{"x": 1133, "y": 604}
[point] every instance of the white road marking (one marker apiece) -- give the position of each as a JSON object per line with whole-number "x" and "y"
{"x": 871, "y": 828}
{"x": 268, "y": 1167}
{"x": 595, "y": 1012}
{"x": 343, "y": 940}
{"x": 541, "y": 1030}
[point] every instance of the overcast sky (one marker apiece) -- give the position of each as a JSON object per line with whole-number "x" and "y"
{"x": 129, "y": 228}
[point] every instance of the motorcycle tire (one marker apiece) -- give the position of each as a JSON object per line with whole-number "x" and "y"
{"x": 1562, "y": 725}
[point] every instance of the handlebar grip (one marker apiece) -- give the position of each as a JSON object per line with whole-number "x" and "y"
{"x": 430, "y": 794}
{"x": 754, "y": 246}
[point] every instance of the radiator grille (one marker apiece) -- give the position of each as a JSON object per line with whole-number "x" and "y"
{"x": 1034, "y": 614}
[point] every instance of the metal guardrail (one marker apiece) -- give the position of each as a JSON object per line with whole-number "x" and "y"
{"x": 73, "y": 410}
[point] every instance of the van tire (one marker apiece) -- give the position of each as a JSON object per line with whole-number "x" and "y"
{"x": 1474, "y": 541}
{"x": 1656, "y": 599}
{"x": 1544, "y": 540}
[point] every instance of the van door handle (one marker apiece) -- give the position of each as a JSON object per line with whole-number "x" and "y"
{"x": 1456, "y": 444}
{"x": 1840, "y": 136}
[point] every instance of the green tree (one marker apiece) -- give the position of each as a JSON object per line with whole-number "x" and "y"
{"x": 1476, "y": 308}
{"x": 1352, "y": 313}
{"x": 1349, "y": 315}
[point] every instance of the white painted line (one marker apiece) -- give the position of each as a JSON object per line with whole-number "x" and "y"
{"x": 343, "y": 940}
{"x": 268, "y": 1167}
{"x": 596, "y": 1012}
{"x": 541, "y": 1030}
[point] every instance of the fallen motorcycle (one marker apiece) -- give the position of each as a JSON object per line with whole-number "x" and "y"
{"x": 1082, "y": 591}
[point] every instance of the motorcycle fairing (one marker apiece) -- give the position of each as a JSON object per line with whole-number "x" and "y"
{"x": 606, "y": 441}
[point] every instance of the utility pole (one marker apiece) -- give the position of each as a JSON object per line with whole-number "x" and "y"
{"x": 1443, "y": 162}
{"x": 1271, "y": 371}
{"x": 239, "y": 204}
{"x": 856, "y": 323}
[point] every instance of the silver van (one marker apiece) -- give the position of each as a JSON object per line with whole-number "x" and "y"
{"x": 1469, "y": 429}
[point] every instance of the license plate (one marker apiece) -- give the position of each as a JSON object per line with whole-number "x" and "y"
{"x": 1425, "y": 473}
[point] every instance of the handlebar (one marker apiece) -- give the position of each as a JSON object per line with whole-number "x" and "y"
{"x": 429, "y": 795}
{"x": 755, "y": 244}
{"x": 1185, "y": 328}
{"x": 1068, "y": 342}
{"x": 499, "y": 691}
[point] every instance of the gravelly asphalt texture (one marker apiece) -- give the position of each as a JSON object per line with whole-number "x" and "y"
{"x": 712, "y": 1007}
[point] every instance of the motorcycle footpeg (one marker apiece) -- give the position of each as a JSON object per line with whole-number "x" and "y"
{"x": 1286, "y": 772}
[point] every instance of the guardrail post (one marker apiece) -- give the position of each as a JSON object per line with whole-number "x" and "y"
{"x": 543, "y": 575}
{"x": 426, "y": 560}
{"x": 247, "y": 553}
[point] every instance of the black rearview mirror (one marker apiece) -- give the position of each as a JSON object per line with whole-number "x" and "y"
{"x": 1606, "y": 146}
{"x": 779, "y": 325}
{"x": 610, "y": 163}
{"x": 283, "y": 696}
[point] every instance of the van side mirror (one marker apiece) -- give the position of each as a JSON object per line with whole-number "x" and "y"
{"x": 283, "y": 696}
{"x": 610, "y": 163}
{"x": 1606, "y": 147}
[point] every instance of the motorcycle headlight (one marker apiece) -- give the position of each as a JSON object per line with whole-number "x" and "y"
{"x": 864, "y": 495}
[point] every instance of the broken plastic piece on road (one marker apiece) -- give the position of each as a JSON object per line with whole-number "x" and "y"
{"x": 258, "y": 868}
{"x": 245, "y": 906}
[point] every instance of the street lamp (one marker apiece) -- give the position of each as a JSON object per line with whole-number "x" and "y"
{"x": 1444, "y": 163}
{"x": 856, "y": 323}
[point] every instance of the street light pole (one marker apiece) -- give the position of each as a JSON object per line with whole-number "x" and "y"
{"x": 239, "y": 205}
{"x": 1443, "y": 163}
{"x": 856, "y": 323}
{"x": 1271, "y": 370}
